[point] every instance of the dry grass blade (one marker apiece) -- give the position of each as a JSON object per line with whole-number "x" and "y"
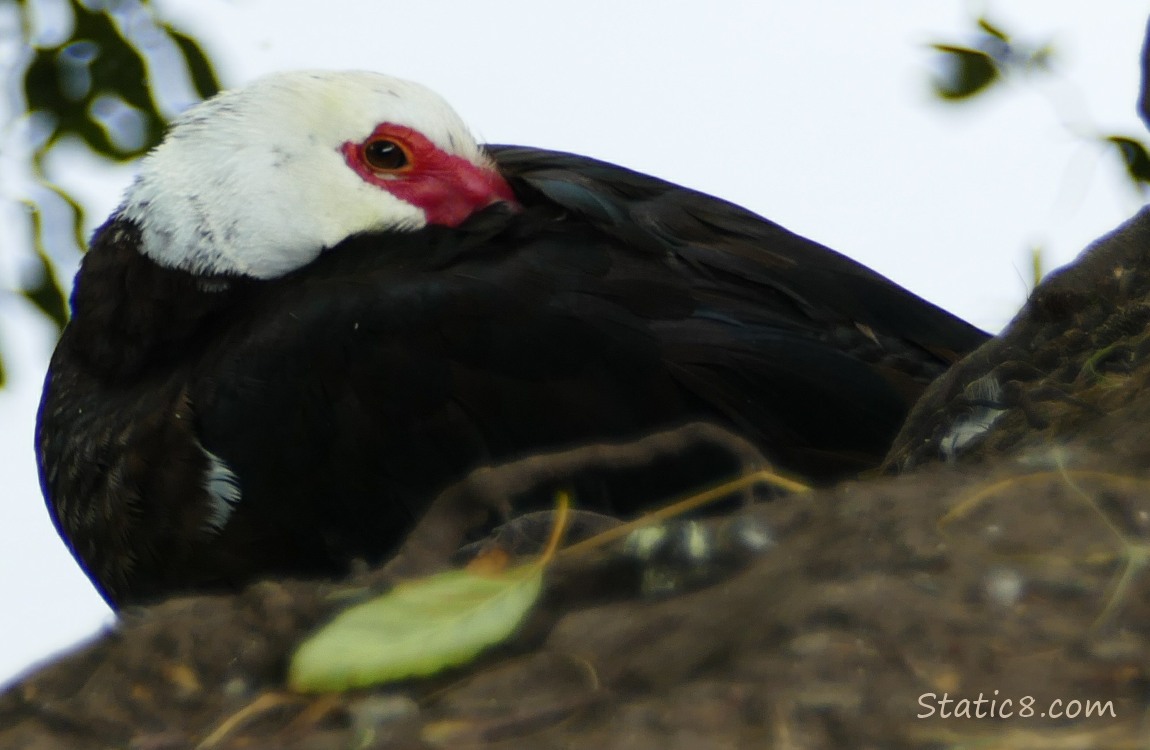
{"x": 261, "y": 705}
{"x": 685, "y": 506}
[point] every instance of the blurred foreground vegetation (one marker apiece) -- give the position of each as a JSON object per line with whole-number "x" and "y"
{"x": 106, "y": 73}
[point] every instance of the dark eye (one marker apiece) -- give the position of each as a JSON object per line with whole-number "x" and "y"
{"x": 384, "y": 154}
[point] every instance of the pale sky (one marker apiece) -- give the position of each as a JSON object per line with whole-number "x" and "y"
{"x": 816, "y": 115}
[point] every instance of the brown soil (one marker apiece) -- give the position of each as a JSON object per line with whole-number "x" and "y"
{"x": 1016, "y": 574}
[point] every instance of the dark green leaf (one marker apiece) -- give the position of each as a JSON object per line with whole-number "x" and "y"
{"x": 965, "y": 72}
{"x": 1042, "y": 57}
{"x": 74, "y": 207}
{"x": 993, "y": 30}
{"x": 969, "y": 69}
{"x": 97, "y": 63}
{"x": 47, "y": 295}
{"x": 200, "y": 68}
{"x": 1135, "y": 157}
{"x": 44, "y": 289}
{"x": 93, "y": 86}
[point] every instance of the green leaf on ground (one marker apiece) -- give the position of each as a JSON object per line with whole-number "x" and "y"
{"x": 417, "y": 629}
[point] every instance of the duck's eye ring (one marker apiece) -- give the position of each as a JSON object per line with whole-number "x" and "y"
{"x": 385, "y": 155}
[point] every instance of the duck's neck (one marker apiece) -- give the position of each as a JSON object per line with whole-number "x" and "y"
{"x": 131, "y": 315}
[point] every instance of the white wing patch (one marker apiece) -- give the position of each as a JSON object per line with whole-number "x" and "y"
{"x": 223, "y": 488}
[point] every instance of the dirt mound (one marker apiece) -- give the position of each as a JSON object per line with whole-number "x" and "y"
{"x": 1000, "y": 598}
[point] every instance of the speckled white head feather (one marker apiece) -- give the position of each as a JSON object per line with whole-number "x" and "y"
{"x": 253, "y": 182}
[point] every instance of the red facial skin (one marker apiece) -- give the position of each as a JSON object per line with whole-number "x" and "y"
{"x": 448, "y": 188}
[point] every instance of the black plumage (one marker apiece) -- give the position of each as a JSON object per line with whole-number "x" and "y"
{"x": 345, "y": 394}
